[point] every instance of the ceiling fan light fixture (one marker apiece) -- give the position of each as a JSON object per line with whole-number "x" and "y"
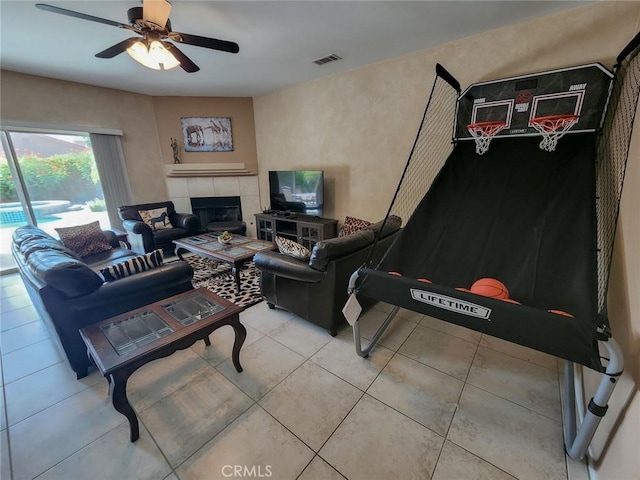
{"x": 154, "y": 56}
{"x": 151, "y": 21}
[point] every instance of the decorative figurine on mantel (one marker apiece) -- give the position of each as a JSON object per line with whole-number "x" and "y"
{"x": 174, "y": 146}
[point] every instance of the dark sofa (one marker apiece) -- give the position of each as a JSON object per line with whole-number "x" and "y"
{"x": 317, "y": 290}
{"x": 144, "y": 239}
{"x": 69, "y": 294}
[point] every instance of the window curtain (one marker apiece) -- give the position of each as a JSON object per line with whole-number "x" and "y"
{"x": 107, "y": 150}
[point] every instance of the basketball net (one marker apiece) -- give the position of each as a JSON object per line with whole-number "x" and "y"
{"x": 552, "y": 128}
{"x": 483, "y": 132}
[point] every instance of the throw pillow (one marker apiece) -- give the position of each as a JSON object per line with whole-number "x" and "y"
{"x": 157, "y": 219}
{"x": 353, "y": 225}
{"x": 292, "y": 249}
{"x": 84, "y": 239}
{"x": 132, "y": 266}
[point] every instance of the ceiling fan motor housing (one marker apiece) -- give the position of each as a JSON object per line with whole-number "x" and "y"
{"x": 134, "y": 14}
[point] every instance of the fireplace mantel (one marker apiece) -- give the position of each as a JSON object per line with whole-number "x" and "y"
{"x": 208, "y": 169}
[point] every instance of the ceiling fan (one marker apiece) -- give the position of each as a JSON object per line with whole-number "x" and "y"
{"x": 151, "y": 21}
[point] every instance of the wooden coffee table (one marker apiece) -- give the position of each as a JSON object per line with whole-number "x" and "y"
{"x": 237, "y": 252}
{"x": 122, "y": 344}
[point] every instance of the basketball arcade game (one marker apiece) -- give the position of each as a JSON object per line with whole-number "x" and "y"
{"x": 525, "y": 199}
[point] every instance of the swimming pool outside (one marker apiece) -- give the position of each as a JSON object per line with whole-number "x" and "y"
{"x": 75, "y": 215}
{"x": 13, "y": 213}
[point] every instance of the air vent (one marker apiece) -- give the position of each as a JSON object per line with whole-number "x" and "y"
{"x": 331, "y": 58}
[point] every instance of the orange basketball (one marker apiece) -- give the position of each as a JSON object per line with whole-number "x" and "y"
{"x": 460, "y": 289}
{"x": 424, "y": 280}
{"x": 395, "y": 273}
{"x": 560, "y": 312}
{"x": 490, "y": 287}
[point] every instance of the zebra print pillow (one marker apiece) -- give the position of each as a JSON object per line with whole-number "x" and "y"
{"x": 292, "y": 249}
{"x": 132, "y": 266}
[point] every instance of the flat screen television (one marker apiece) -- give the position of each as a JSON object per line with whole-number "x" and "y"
{"x": 300, "y": 191}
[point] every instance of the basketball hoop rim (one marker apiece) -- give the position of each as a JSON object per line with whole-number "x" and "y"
{"x": 552, "y": 128}
{"x": 486, "y": 124}
{"x": 483, "y": 132}
{"x": 551, "y": 118}
{"x": 480, "y": 130}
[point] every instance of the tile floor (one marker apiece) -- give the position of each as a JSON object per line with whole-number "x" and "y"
{"x": 432, "y": 401}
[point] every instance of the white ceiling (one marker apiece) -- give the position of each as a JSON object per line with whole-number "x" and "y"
{"x": 278, "y": 40}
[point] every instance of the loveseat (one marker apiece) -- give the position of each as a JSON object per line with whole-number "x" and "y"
{"x": 317, "y": 290}
{"x": 161, "y": 231}
{"x": 69, "y": 293}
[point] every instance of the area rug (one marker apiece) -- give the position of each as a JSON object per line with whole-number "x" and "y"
{"x": 217, "y": 277}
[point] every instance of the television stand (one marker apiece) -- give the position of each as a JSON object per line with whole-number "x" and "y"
{"x": 304, "y": 229}
{"x": 284, "y": 214}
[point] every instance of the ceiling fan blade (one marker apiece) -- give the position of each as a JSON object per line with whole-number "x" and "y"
{"x": 205, "y": 42}
{"x": 117, "y": 49}
{"x": 83, "y": 16}
{"x": 156, "y": 11}
{"x": 185, "y": 62}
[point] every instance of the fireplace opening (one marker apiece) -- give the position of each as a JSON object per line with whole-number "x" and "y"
{"x": 218, "y": 214}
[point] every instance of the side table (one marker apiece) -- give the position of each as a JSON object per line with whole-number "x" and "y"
{"x": 122, "y": 344}
{"x": 122, "y": 237}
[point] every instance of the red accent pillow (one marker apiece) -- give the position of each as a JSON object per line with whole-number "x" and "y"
{"x": 353, "y": 225}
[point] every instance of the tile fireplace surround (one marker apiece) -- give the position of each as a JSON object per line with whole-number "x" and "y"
{"x": 181, "y": 189}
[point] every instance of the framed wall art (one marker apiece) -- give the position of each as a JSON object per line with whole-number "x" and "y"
{"x": 207, "y": 134}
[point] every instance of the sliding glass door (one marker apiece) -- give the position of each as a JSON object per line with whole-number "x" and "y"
{"x": 12, "y": 213}
{"x": 48, "y": 180}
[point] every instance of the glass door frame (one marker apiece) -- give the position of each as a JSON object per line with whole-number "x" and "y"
{"x": 18, "y": 179}
{"x": 109, "y": 159}
{"x": 20, "y": 183}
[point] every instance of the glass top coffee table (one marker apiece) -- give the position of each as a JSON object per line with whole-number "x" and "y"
{"x": 122, "y": 344}
{"x": 237, "y": 252}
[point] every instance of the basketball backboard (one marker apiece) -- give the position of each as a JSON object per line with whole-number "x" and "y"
{"x": 581, "y": 91}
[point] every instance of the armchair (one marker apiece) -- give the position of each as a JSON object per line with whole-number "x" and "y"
{"x": 317, "y": 290}
{"x": 160, "y": 231}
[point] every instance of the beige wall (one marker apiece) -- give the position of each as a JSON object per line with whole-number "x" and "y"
{"x": 148, "y": 123}
{"x": 359, "y": 127}
{"x": 29, "y": 98}
{"x": 169, "y": 110}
